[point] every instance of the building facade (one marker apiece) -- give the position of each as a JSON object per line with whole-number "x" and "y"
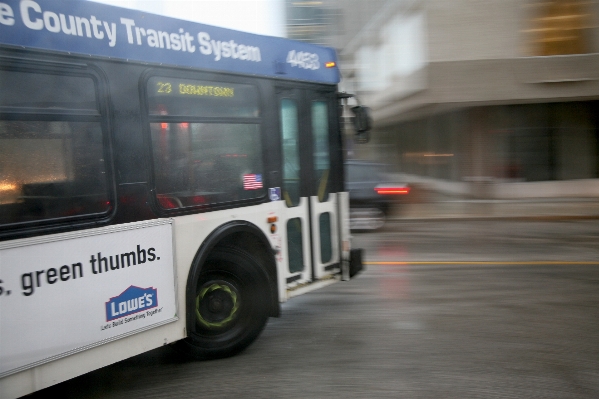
{"x": 483, "y": 98}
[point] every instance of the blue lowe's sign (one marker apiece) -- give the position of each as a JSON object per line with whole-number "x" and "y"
{"x": 132, "y": 300}
{"x": 89, "y": 28}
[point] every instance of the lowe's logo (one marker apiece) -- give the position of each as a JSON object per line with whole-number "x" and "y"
{"x": 132, "y": 300}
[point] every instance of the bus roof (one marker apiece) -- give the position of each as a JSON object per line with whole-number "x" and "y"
{"x": 89, "y": 28}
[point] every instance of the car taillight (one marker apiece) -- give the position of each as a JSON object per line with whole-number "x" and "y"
{"x": 392, "y": 190}
{"x": 198, "y": 200}
{"x": 167, "y": 203}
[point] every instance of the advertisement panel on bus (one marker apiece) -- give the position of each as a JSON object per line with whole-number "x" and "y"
{"x": 69, "y": 292}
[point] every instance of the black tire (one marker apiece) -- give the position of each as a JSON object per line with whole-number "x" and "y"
{"x": 231, "y": 302}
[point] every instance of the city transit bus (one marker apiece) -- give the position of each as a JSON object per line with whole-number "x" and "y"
{"x": 161, "y": 182}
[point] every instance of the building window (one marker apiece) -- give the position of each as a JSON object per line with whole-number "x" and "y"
{"x": 559, "y": 27}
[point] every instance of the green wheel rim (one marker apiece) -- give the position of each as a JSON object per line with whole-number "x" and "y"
{"x": 211, "y": 288}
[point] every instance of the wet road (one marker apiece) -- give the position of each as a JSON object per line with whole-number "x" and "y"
{"x": 444, "y": 310}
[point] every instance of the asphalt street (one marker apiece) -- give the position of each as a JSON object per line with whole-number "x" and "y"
{"x": 500, "y": 309}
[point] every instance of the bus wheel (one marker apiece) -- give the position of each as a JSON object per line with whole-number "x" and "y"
{"x": 230, "y": 305}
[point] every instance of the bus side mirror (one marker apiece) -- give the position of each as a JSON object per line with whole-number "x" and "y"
{"x": 362, "y": 119}
{"x": 362, "y": 123}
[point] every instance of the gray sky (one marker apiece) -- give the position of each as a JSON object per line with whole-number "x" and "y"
{"x": 265, "y": 17}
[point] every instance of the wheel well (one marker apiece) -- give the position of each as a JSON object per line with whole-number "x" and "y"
{"x": 246, "y": 237}
{"x": 263, "y": 253}
{"x": 249, "y": 243}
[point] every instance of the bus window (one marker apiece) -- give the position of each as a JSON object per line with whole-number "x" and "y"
{"x": 326, "y": 245}
{"x": 204, "y": 162}
{"x": 295, "y": 250}
{"x": 291, "y": 159}
{"x": 322, "y": 161}
{"x": 44, "y": 91}
{"x": 51, "y": 148}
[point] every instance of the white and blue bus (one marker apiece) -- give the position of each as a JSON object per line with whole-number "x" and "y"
{"x": 161, "y": 182}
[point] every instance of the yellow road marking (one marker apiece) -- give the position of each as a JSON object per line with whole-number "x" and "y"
{"x": 486, "y": 263}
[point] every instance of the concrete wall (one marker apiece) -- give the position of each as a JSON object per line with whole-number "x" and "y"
{"x": 462, "y": 30}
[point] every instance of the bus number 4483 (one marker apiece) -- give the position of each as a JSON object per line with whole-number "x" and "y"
{"x": 303, "y": 60}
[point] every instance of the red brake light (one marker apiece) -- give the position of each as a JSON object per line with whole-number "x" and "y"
{"x": 198, "y": 199}
{"x": 392, "y": 190}
{"x": 167, "y": 203}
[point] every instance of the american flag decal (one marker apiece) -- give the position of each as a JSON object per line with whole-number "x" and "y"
{"x": 252, "y": 182}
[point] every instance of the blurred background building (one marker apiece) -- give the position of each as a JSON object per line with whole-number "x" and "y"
{"x": 485, "y": 98}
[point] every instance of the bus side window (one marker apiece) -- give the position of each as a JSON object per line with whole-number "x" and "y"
{"x": 52, "y": 166}
{"x": 199, "y": 161}
{"x": 205, "y": 163}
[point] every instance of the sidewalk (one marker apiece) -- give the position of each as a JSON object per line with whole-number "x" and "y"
{"x": 439, "y": 207}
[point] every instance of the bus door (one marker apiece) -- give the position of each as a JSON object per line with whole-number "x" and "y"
{"x": 310, "y": 221}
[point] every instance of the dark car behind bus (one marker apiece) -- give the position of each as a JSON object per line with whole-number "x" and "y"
{"x": 372, "y": 194}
